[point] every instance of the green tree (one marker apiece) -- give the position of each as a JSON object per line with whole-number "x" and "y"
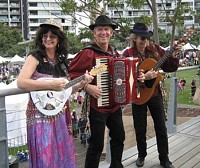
{"x": 75, "y": 44}
{"x": 8, "y": 41}
{"x": 177, "y": 20}
{"x": 95, "y": 8}
{"x": 85, "y": 33}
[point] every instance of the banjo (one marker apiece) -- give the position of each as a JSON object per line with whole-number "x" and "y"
{"x": 50, "y": 102}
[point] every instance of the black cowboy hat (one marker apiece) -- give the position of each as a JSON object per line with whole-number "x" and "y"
{"x": 141, "y": 29}
{"x": 103, "y": 20}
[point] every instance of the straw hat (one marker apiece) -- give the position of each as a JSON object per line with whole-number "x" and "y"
{"x": 52, "y": 22}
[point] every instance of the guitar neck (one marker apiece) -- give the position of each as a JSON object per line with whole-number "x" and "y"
{"x": 94, "y": 71}
{"x": 75, "y": 81}
{"x": 163, "y": 59}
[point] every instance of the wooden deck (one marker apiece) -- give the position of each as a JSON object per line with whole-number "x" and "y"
{"x": 184, "y": 149}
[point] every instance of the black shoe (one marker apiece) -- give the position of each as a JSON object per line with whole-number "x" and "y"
{"x": 166, "y": 164}
{"x": 140, "y": 162}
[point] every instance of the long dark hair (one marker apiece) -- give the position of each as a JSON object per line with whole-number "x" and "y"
{"x": 62, "y": 47}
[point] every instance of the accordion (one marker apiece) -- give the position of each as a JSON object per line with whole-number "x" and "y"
{"x": 119, "y": 83}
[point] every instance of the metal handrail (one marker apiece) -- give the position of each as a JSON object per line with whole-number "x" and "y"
{"x": 11, "y": 91}
{"x": 4, "y": 161}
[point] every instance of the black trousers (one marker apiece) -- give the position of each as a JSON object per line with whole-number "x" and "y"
{"x": 155, "y": 105}
{"x": 114, "y": 122}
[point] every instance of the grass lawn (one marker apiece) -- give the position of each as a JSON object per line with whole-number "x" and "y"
{"x": 188, "y": 75}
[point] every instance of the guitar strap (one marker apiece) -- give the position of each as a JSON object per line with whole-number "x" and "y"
{"x": 131, "y": 53}
{"x": 64, "y": 67}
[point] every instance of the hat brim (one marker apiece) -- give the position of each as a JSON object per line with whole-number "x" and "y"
{"x": 149, "y": 34}
{"x": 92, "y": 26}
{"x": 48, "y": 24}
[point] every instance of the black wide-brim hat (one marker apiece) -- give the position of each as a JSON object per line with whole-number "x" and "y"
{"x": 103, "y": 20}
{"x": 141, "y": 29}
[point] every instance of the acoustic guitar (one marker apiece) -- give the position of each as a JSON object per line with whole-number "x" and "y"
{"x": 50, "y": 102}
{"x": 147, "y": 89}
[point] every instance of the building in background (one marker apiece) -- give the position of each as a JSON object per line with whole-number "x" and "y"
{"x": 27, "y": 15}
{"x": 162, "y": 6}
{"x": 11, "y": 13}
{"x": 40, "y": 10}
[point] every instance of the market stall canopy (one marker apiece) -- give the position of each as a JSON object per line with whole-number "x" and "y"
{"x": 189, "y": 46}
{"x": 2, "y": 59}
{"x": 17, "y": 60}
{"x": 198, "y": 48}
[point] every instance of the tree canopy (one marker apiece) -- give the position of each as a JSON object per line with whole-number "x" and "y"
{"x": 9, "y": 41}
{"x": 94, "y": 8}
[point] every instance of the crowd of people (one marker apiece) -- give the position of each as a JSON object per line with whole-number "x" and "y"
{"x": 190, "y": 57}
{"x": 8, "y": 74}
{"x": 47, "y": 133}
{"x": 81, "y": 127}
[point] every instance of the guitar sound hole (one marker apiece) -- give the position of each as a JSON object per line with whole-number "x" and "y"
{"x": 149, "y": 83}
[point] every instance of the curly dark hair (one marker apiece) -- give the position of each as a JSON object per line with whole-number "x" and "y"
{"x": 62, "y": 47}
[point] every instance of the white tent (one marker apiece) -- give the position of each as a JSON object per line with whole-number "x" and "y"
{"x": 189, "y": 46}
{"x": 17, "y": 60}
{"x": 16, "y": 116}
{"x": 198, "y": 48}
{"x": 2, "y": 59}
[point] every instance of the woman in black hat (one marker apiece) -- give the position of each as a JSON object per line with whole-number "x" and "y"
{"x": 143, "y": 49}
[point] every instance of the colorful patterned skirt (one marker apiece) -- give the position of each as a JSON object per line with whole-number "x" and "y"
{"x": 50, "y": 141}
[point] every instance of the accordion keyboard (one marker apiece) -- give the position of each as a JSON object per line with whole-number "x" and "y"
{"x": 103, "y": 82}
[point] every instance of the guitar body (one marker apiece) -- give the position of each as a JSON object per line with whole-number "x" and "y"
{"x": 50, "y": 102}
{"x": 147, "y": 89}
{"x": 147, "y": 92}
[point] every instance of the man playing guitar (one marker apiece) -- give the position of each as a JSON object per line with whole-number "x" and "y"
{"x": 149, "y": 53}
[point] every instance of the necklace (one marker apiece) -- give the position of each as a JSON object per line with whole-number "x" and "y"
{"x": 51, "y": 60}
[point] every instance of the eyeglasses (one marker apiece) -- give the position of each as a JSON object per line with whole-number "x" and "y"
{"x": 144, "y": 38}
{"x": 51, "y": 36}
